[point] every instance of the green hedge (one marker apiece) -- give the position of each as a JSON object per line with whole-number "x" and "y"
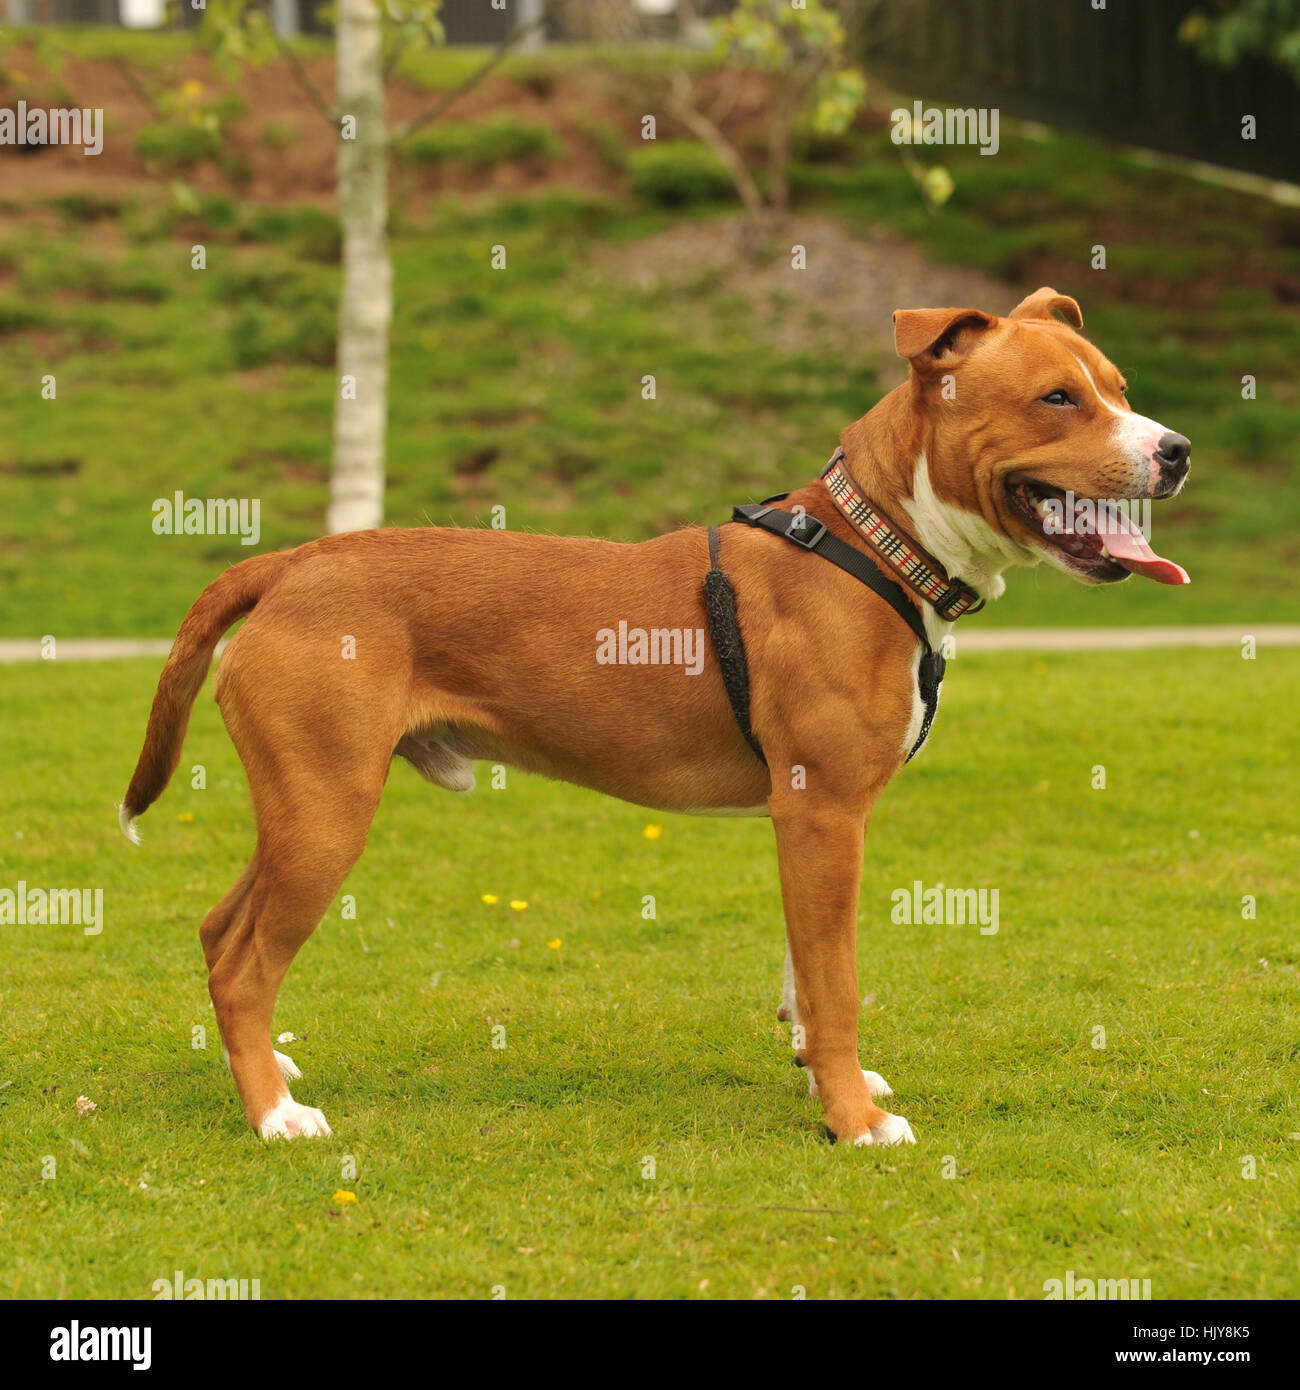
{"x": 675, "y": 173}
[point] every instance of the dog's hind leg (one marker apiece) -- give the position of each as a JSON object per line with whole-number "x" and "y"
{"x": 216, "y": 926}
{"x": 316, "y": 773}
{"x": 301, "y": 861}
{"x": 315, "y": 724}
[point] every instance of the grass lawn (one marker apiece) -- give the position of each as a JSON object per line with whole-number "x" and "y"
{"x": 631, "y": 1040}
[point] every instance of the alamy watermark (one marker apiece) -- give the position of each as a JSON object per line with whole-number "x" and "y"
{"x": 656, "y": 646}
{"x": 179, "y": 515}
{"x": 951, "y": 125}
{"x": 59, "y": 125}
{"x": 1088, "y": 516}
{"x": 945, "y": 907}
{"x": 77, "y": 1343}
{"x": 1101, "y": 1290}
{"x": 56, "y": 907}
{"x": 215, "y": 1290}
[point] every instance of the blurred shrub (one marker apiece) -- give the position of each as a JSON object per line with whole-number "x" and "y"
{"x": 312, "y": 232}
{"x": 86, "y": 207}
{"x": 194, "y": 132}
{"x": 814, "y": 146}
{"x": 218, "y": 212}
{"x": 177, "y": 146}
{"x": 555, "y": 207}
{"x": 279, "y": 135}
{"x": 257, "y": 337}
{"x": 608, "y": 140}
{"x": 481, "y": 144}
{"x": 676, "y": 173}
{"x": 56, "y": 267}
{"x": 113, "y": 280}
{"x": 15, "y": 317}
{"x": 319, "y": 237}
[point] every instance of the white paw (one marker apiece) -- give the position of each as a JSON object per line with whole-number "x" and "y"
{"x": 876, "y": 1084}
{"x": 291, "y": 1073}
{"x": 289, "y": 1120}
{"x": 893, "y": 1129}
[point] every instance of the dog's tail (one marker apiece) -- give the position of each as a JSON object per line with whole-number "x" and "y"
{"x": 228, "y": 597}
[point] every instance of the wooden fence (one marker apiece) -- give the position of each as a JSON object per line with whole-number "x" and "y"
{"x": 1120, "y": 73}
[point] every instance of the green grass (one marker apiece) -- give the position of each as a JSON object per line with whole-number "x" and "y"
{"x": 177, "y": 146}
{"x": 483, "y": 144}
{"x": 523, "y": 1167}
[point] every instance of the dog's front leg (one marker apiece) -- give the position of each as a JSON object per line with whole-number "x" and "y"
{"x": 819, "y": 847}
{"x": 789, "y": 1013}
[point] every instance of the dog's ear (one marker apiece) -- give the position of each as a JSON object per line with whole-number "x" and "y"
{"x": 1042, "y": 304}
{"x": 935, "y": 337}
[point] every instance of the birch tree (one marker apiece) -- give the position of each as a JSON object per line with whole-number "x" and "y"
{"x": 366, "y": 295}
{"x": 369, "y": 43}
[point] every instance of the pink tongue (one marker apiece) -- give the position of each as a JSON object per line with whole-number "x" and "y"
{"x": 1129, "y": 547}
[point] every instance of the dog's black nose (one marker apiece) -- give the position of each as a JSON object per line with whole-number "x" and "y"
{"x": 1173, "y": 454}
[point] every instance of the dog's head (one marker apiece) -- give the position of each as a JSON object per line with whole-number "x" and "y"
{"x": 1025, "y": 433}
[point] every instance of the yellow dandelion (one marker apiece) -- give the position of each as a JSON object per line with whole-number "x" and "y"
{"x": 518, "y": 904}
{"x": 556, "y": 944}
{"x": 193, "y": 89}
{"x": 653, "y": 832}
{"x": 490, "y": 898}
{"x": 342, "y": 1198}
{"x": 186, "y": 818}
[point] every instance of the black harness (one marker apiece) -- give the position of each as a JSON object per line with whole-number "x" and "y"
{"x": 812, "y": 535}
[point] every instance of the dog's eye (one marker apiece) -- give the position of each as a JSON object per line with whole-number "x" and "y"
{"x": 1056, "y": 398}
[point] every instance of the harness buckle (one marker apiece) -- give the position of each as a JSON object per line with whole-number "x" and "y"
{"x": 802, "y": 534}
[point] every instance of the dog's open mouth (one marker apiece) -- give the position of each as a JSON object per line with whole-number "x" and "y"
{"x": 1096, "y": 538}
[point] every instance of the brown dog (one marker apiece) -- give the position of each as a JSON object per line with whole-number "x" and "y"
{"x": 444, "y": 646}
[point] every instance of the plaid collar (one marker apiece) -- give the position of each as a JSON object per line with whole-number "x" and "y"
{"x": 914, "y": 568}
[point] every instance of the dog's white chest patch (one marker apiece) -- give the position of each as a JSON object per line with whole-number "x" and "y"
{"x": 964, "y": 543}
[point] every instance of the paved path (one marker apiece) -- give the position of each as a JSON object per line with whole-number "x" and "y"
{"x": 1009, "y": 639}
{"x": 82, "y": 649}
{"x": 1125, "y": 639}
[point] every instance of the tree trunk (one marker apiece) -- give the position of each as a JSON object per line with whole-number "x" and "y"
{"x": 528, "y": 15}
{"x": 366, "y": 299}
{"x": 681, "y": 107}
{"x": 779, "y": 142}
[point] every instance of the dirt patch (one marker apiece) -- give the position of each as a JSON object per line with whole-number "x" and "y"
{"x": 283, "y": 150}
{"x": 843, "y": 298}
